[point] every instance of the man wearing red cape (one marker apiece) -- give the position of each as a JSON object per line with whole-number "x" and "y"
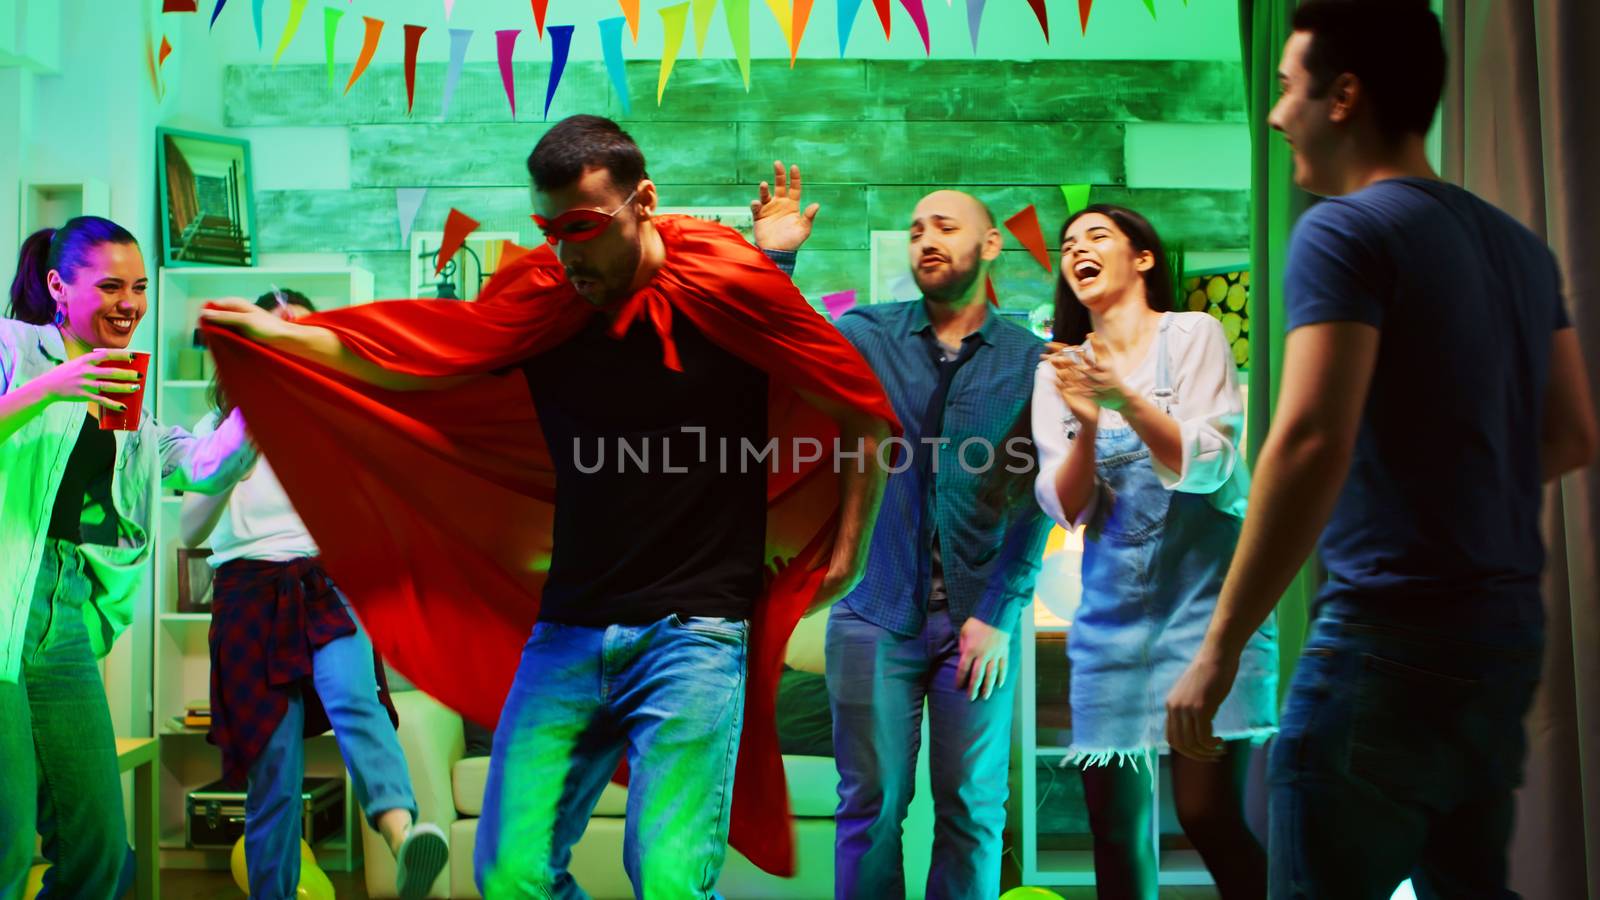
{"x": 646, "y": 451}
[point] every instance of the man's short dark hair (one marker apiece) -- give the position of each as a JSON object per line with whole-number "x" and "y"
{"x": 577, "y": 143}
{"x": 1396, "y": 48}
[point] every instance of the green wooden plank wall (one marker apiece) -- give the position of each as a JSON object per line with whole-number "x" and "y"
{"x": 873, "y": 136}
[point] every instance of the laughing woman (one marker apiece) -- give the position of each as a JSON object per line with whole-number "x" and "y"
{"x": 1136, "y": 415}
{"x": 74, "y": 541}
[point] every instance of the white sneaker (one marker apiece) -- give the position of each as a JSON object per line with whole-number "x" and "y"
{"x": 420, "y": 859}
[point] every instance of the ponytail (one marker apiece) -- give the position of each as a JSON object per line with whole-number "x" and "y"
{"x": 30, "y": 293}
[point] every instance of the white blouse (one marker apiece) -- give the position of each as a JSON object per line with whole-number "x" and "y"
{"x": 259, "y": 523}
{"x": 1205, "y": 402}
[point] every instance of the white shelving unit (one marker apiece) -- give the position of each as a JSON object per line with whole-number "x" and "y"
{"x": 1040, "y": 785}
{"x": 179, "y": 381}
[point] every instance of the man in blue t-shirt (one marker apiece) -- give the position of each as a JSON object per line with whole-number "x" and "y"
{"x": 1432, "y": 384}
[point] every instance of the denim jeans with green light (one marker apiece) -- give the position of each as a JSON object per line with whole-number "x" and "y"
{"x": 58, "y": 754}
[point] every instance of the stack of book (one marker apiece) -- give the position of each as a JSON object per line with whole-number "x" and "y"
{"x": 197, "y": 714}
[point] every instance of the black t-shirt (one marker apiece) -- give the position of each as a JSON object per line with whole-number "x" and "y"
{"x": 83, "y": 512}
{"x": 648, "y": 521}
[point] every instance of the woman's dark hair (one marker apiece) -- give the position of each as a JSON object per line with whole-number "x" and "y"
{"x": 269, "y": 302}
{"x": 63, "y": 249}
{"x": 1396, "y": 48}
{"x": 1072, "y": 318}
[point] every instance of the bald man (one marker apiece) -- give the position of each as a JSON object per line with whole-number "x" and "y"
{"x": 952, "y": 561}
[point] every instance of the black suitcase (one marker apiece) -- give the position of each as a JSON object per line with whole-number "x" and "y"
{"x": 216, "y": 813}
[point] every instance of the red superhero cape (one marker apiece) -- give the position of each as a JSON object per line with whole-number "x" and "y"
{"x": 433, "y": 509}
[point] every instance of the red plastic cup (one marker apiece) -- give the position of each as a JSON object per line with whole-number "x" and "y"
{"x": 127, "y": 419}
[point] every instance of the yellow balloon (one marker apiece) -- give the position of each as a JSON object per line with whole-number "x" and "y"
{"x": 321, "y": 887}
{"x": 35, "y": 881}
{"x": 1030, "y": 893}
{"x": 314, "y": 884}
{"x": 236, "y": 863}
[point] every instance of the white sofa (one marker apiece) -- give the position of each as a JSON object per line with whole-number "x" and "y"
{"x": 449, "y": 792}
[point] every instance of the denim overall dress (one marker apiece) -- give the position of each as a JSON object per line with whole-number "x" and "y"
{"x": 1153, "y": 564}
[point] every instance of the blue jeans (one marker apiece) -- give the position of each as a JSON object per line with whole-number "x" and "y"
{"x": 1400, "y": 748}
{"x": 342, "y": 674}
{"x": 58, "y": 754}
{"x": 671, "y": 695}
{"x": 877, "y": 682}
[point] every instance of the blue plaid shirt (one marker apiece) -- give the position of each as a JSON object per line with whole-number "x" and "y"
{"x": 990, "y": 556}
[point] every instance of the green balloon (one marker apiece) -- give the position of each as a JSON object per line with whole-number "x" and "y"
{"x": 1030, "y": 893}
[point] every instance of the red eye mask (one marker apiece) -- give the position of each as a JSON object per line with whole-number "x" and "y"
{"x": 578, "y": 225}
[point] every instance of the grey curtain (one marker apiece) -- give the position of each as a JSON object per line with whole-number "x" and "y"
{"x": 1522, "y": 130}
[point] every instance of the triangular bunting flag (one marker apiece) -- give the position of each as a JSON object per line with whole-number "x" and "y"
{"x": 407, "y": 202}
{"x": 456, "y": 228}
{"x": 737, "y": 13}
{"x": 611, "y": 47}
{"x": 1077, "y": 196}
{"x": 413, "y": 38}
{"x": 630, "y": 8}
{"x": 988, "y": 289}
{"x": 369, "y": 46}
{"x": 974, "y": 20}
{"x": 1025, "y": 225}
{"x": 509, "y": 252}
{"x": 784, "y": 13}
{"x": 459, "y": 38}
{"x": 560, "y": 43}
{"x": 255, "y": 16}
{"x": 164, "y": 52}
{"x": 330, "y": 29}
{"x": 217, "y": 11}
{"x": 1151, "y": 5}
{"x": 674, "y": 19}
{"x": 506, "y": 42}
{"x": 920, "y": 17}
{"x": 539, "y": 8}
{"x": 1043, "y": 16}
{"x": 296, "y": 9}
{"x": 797, "y": 31}
{"x": 1083, "y": 16}
{"x": 882, "y": 6}
{"x": 449, "y": 7}
{"x": 839, "y": 304}
{"x": 179, "y": 6}
{"x": 847, "y": 21}
{"x": 702, "y": 23}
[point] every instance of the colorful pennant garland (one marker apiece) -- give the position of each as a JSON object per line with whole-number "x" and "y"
{"x": 847, "y": 21}
{"x": 449, "y": 7}
{"x": 674, "y": 19}
{"x": 407, "y": 201}
{"x": 1043, "y": 16}
{"x": 179, "y": 6}
{"x": 702, "y": 23}
{"x": 974, "y": 20}
{"x": 330, "y": 29}
{"x": 217, "y": 11}
{"x": 505, "y": 43}
{"x": 413, "y": 38}
{"x": 838, "y": 304}
{"x": 920, "y": 17}
{"x": 797, "y": 31}
{"x": 737, "y": 12}
{"x": 457, "y": 226}
{"x": 255, "y": 16}
{"x": 296, "y": 9}
{"x": 369, "y": 46}
{"x": 1083, "y": 17}
{"x": 1076, "y": 195}
{"x": 539, "y": 8}
{"x": 611, "y": 47}
{"x": 164, "y": 52}
{"x": 560, "y": 43}
{"x": 1025, "y": 225}
{"x": 630, "y": 8}
{"x": 784, "y": 13}
{"x": 882, "y": 6}
{"x": 459, "y": 38}
{"x": 1151, "y": 5}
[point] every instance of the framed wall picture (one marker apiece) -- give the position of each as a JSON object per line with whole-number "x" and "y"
{"x": 1224, "y": 292}
{"x": 891, "y": 267}
{"x": 207, "y": 206}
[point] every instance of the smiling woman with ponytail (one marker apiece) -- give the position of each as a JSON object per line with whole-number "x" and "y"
{"x": 74, "y": 524}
